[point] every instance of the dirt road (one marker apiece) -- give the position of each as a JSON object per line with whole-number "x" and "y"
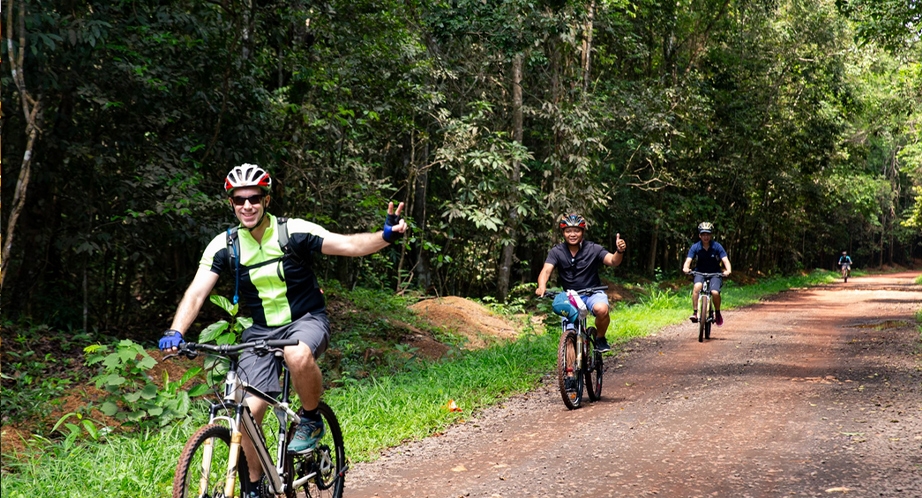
{"x": 816, "y": 392}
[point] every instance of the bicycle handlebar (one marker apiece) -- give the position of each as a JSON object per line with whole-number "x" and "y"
{"x": 706, "y": 275}
{"x": 262, "y": 347}
{"x": 583, "y": 292}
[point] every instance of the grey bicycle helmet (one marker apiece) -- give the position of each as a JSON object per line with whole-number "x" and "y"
{"x": 247, "y": 175}
{"x": 705, "y": 227}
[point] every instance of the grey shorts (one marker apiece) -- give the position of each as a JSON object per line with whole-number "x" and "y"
{"x": 263, "y": 372}
{"x": 714, "y": 283}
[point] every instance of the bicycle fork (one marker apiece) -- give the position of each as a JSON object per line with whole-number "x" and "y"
{"x": 230, "y": 480}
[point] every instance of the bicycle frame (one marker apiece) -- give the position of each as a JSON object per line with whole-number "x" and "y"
{"x": 240, "y": 419}
{"x": 705, "y": 307}
{"x": 586, "y": 365}
{"x": 235, "y": 390}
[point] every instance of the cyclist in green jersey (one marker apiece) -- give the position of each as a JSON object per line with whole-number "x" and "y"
{"x": 281, "y": 291}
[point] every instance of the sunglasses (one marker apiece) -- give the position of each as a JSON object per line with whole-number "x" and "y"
{"x": 254, "y": 199}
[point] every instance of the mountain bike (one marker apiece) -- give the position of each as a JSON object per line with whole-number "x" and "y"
{"x": 213, "y": 464}
{"x": 579, "y": 364}
{"x": 705, "y": 306}
{"x": 846, "y": 271}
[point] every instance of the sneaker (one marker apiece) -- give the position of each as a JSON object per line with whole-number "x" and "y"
{"x": 306, "y": 436}
{"x": 694, "y": 317}
{"x": 601, "y": 345}
{"x": 720, "y": 320}
{"x": 570, "y": 383}
{"x": 252, "y": 489}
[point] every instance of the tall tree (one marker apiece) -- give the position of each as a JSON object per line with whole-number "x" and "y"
{"x": 32, "y": 112}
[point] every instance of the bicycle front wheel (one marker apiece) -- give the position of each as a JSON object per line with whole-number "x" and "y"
{"x": 592, "y": 368}
{"x": 708, "y": 323}
{"x": 203, "y": 465}
{"x": 322, "y": 472}
{"x": 569, "y": 373}
{"x": 704, "y": 305}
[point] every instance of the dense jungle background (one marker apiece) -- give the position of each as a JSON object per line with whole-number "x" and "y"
{"x": 793, "y": 125}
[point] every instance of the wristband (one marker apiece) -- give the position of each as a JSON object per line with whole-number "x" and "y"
{"x": 389, "y": 235}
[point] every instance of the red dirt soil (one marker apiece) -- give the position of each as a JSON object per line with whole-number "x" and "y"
{"x": 815, "y": 392}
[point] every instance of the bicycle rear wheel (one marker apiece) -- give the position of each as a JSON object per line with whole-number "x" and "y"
{"x": 592, "y": 367}
{"x": 704, "y": 306}
{"x": 323, "y": 471}
{"x": 569, "y": 373}
{"x": 202, "y": 467}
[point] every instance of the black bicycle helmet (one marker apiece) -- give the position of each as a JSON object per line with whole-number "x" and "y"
{"x": 572, "y": 220}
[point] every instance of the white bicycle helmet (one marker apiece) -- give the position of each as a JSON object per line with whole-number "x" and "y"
{"x": 247, "y": 175}
{"x": 705, "y": 227}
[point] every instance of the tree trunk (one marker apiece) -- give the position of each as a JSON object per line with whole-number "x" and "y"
{"x": 505, "y": 267}
{"x": 32, "y": 109}
{"x": 587, "y": 46}
{"x": 651, "y": 260}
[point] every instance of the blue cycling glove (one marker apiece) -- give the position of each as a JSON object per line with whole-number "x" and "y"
{"x": 170, "y": 339}
{"x": 390, "y": 235}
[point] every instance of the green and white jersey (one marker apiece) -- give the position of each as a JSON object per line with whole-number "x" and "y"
{"x": 279, "y": 292}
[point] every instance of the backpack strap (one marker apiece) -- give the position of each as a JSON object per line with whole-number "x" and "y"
{"x": 233, "y": 258}
{"x": 233, "y": 253}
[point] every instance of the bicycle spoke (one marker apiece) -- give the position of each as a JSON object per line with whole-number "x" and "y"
{"x": 203, "y": 465}
{"x": 322, "y": 470}
{"x": 593, "y": 368}
{"x": 569, "y": 372}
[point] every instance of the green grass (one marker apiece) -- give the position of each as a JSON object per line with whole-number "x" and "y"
{"x": 375, "y": 412}
{"x": 125, "y": 466}
{"x": 388, "y": 411}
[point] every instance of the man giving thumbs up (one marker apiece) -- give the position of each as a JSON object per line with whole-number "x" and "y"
{"x": 577, "y": 262}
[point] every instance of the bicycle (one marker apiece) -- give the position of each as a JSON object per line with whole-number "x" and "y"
{"x": 705, "y": 306}
{"x": 579, "y": 364}
{"x": 212, "y": 463}
{"x": 846, "y": 269}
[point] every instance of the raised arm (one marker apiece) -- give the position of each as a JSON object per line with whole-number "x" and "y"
{"x": 363, "y": 244}
{"x": 614, "y": 258}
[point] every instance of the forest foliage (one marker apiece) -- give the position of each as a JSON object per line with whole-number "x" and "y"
{"x": 793, "y": 125}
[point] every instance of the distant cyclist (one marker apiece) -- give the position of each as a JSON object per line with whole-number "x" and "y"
{"x": 282, "y": 292}
{"x": 577, "y": 262}
{"x": 709, "y": 255}
{"x": 845, "y": 262}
